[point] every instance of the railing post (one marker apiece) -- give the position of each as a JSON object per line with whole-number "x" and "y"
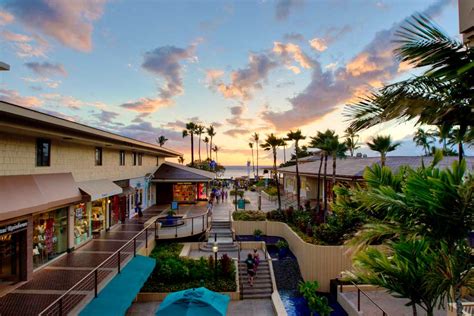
{"x": 146, "y": 238}
{"x": 192, "y": 225}
{"x": 176, "y": 233}
{"x": 61, "y": 307}
{"x": 95, "y": 282}
{"x": 134, "y": 247}
{"x": 358, "y": 299}
{"x": 340, "y": 287}
{"x": 203, "y": 222}
{"x": 157, "y": 236}
{"x": 118, "y": 261}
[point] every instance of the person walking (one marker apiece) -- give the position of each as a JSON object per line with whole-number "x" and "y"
{"x": 218, "y": 195}
{"x": 256, "y": 260}
{"x": 250, "y": 268}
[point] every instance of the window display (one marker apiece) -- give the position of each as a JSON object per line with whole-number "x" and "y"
{"x": 202, "y": 191}
{"x": 82, "y": 230}
{"x": 49, "y": 236}
{"x": 184, "y": 192}
{"x": 99, "y": 208}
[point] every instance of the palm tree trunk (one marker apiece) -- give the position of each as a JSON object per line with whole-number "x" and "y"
{"x": 257, "y": 159}
{"x": 457, "y": 294}
{"x": 200, "y": 148}
{"x": 207, "y": 151}
{"x": 192, "y": 149}
{"x": 382, "y": 159}
{"x": 284, "y": 153}
{"x": 210, "y": 149}
{"x": 413, "y": 307}
{"x": 298, "y": 185}
{"x": 318, "y": 205}
{"x": 253, "y": 164}
{"x": 334, "y": 160}
{"x": 276, "y": 177}
{"x": 325, "y": 186}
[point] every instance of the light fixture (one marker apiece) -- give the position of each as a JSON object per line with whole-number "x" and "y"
{"x": 215, "y": 248}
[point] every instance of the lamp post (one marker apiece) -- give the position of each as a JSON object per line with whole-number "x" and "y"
{"x": 215, "y": 249}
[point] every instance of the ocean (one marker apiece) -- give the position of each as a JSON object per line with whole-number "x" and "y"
{"x": 240, "y": 171}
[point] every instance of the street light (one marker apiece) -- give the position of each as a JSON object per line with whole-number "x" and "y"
{"x": 215, "y": 249}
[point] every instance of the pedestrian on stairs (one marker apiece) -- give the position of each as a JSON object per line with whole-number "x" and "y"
{"x": 256, "y": 260}
{"x": 250, "y": 268}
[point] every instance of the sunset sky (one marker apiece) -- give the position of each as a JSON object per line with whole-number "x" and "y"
{"x": 144, "y": 68}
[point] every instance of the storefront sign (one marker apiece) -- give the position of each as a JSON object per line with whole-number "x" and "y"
{"x": 12, "y": 228}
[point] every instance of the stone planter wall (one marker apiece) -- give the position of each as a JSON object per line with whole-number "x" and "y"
{"x": 269, "y": 197}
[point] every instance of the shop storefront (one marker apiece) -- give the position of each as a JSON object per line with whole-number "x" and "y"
{"x": 99, "y": 209}
{"x": 82, "y": 223}
{"x": 13, "y": 254}
{"x": 50, "y": 232}
{"x": 184, "y": 192}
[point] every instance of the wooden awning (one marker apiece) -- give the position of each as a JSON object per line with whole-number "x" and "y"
{"x": 172, "y": 172}
{"x": 98, "y": 189}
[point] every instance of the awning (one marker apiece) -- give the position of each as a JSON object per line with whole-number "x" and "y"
{"x": 26, "y": 194}
{"x": 128, "y": 190}
{"x": 98, "y": 189}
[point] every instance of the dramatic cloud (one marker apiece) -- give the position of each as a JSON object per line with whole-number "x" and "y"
{"x": 46, "y": 69}
{"x": 146, "y": 105}
{"x": 5, "y": 18}
{"x": 236, "y": 132}
{"x": 298, "y": 37}
{"x": 318, "y": 44}
{"x": 69, "y": 22}
{"x": 14, "y": 97}
{"x": 328, "y": 89}
{"x": 213, "y": 76}
{"x": 24, "y": 45}
{"x": 283, "y": 8}
{"x": 107, "y": 116}
{"x": 292, "y": 52}
{"x": 237, "y": 110}
{"x": 145, "y": 131}
{"x": 245, "y": 81}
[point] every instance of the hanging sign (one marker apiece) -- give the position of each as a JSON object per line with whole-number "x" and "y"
{"x": 13, "y": 228}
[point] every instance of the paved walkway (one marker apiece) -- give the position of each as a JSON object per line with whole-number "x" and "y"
{"x": 56, "y": 278}
{"x": 248, "y": 308}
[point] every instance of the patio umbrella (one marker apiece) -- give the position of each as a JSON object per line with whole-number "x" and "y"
{"x": 194, "y": 302}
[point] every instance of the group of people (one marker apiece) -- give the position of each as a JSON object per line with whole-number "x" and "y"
{"x": 252, "y": 262}
{"x": 218, "y": 194}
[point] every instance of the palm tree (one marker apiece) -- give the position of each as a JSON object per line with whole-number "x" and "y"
{"x": 253, "y": 164}
{"x": 181, "y": 159}
{"x": 211, "y": 133}
{"x": 296, "y": 137}
{"x": 206, "y": 141}
{"x": 423, "y": 139}
{"x": 442, "y": 95}
{"x": 443, "y": 134}
{"x": 161, "y": 140}
{"x": 256, "y": 138}
{"x": 336, "y": 150}
{"x": 272, "y": 143}
{"x": 284, "y": 150}
{"x": 190, "y": 130}
{"x": 216, "y": 149}
{"x": 351, "y": 140}
{"x": 383, "y": 145}
{"x": 199, "y": 131}
{"x": 455, "y": 137}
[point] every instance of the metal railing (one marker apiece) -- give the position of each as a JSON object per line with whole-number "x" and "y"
{"x": 359, "y": 291}
{"x": 190, "y": 226}
{"x": 88, "y": 286}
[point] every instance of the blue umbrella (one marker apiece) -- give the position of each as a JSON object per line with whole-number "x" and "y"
{"x": 195, "y": 302}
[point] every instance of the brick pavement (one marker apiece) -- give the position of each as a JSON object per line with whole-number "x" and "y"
{"x": 56, "y": 278}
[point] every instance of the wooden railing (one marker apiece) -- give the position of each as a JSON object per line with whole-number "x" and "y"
{"x": 89, "y": 286}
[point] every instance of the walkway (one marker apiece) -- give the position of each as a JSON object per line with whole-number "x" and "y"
{"x": 53, "y": 280}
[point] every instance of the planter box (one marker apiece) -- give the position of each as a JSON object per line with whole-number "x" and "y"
{"x": 269, "y": 197}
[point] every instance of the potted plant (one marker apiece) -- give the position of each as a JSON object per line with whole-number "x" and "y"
{"x": 257, "y": 234}
{"x": 282, "y": 246}
{"x": 170, "y": 220}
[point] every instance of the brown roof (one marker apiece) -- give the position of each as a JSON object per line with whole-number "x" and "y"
{"x": 352, "y": 167}
{"x": 173, "y": 172}
{"x": 26, "y": 194}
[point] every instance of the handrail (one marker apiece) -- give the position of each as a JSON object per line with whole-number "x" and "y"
{"x": 59, "y": 301}
{"x": 359, "y": 290}
{"x": 203, "y": 226}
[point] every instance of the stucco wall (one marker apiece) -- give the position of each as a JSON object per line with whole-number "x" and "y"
{"x": 18, "y": 156}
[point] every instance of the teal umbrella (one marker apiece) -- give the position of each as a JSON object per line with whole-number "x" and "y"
{"x": 194, "y": 302}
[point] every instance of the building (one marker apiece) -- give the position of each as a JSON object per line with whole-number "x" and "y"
{"x": 61, "y": 183}
{"x": 348, "y": 171}
{"x": 466, "y": 21}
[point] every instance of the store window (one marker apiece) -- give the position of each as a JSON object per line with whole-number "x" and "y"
{"x": 140, "y": 159}
{"x": 98, "y": 156}
{"x": 184, "y": 192}
{"x": 122, "y": 158}
{"x": 99, "y": 207}
{"x": 49, "y": 236}
{"x": 202, "y": 191}
{"x": 134, "y": 156}
{"x": 12, "y": 252}
{"x": 115, "y": 210}
{"x": 82, "y": 231}
{"x": 157, "y": 160}
{"x": 43, "y": 152}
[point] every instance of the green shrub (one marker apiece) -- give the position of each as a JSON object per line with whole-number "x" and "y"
{"x": 239, "y": 192}
{"x": 164, "y": 251}
{"x": 276, "y": 215}
{"x": 282, "y": 244}
{"x": 316, "y": 303}
{"x": 257, "y": 232}
{"x": 272, "y": 191}
{"x": 249, "y": 216}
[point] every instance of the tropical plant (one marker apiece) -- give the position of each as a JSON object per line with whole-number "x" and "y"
{"x": 253, "y": 164}
{"x": 216, "y": 149}
{"x": 441, "y": 96}
{"x": 199, "y": 131}
{"x": 423, "y": 139}
{"x": 283, "y": 144}
{"x": 211, "y": 133}
{"x": 297, "y": 136}
{"x": 316, "y": 303}
{"x": 161, "y": 140}
{"x": 206, "y": 141}
{"x": 257, "y": 233}
{"x": 272, "y": 143}
{"x": 256, "y": 139}
{"x": 383, "y": 145}
{"x": 189, "y": 131}
{"x": 352, "y": 138}
{"x": 282, "y": 244}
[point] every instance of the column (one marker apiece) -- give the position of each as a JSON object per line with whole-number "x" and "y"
{"x": 70, "y": 228}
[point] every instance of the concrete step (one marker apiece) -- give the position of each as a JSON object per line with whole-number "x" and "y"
{"x": 253, "y": 296}
{"x": 257, "y": 285}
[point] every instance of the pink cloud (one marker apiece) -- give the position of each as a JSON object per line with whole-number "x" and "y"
{"x": 13, "y": 96}
{"x": 292, "y": 52}
{"x": 46, "y": 69}
{"x": 5, "y": 17}
{"x": 147, "y": 105}
{"x": 318, "y": 44}
{"x": 24, "y": 45}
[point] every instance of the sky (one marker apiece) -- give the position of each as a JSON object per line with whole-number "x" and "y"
{"x": 144, "y": 68}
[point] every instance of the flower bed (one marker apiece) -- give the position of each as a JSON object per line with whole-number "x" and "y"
{"x": 173, "y": 273}
{"x": 249, "y": 216}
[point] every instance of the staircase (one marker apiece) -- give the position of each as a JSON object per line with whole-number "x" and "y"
{"x": 262, "y": 282}
{"x": 221, "y": 232}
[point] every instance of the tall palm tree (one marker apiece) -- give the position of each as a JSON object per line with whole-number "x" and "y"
{"x": 206, "y": 141}
{"x": 423, "y": 139}
{"x": 256, "y": 139}
{"x": 216, "y": 149}
{"x": 442, "y": 95}
{"x": 383, "y": 145}
{"x": 181, "y": 159}
{"x": 296, "y": 137}
{"x": 455, "y": 137}
{"x": 211, "y": 133}
{"x": 189, "y": 131}
{"x": 161, "y": 140}
{"x": 199, "y": 131}
{"x": 253, "y": 164}
{"x": 272, "y": 143}
{"x": 284, "y": 150}
{"x": 443, "y": 134}
{"x": 336, "y": 150}
{"x": 351, "y": 140}
{"x": 320, "y": 142}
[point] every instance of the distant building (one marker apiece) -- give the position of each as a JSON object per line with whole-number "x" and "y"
{"x": 466, "y": 21}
